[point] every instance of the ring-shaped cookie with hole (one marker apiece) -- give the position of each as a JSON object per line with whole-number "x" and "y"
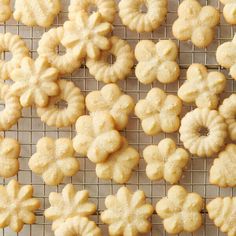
{"x": 203, "y": 132}
{"x": 130, "y": 12}
{"x": 17, "y": 47}
{"x": 107, "y": 72}
{"x": 229, "y": 11}
{"x": 107, "y": 8}
{"x": 5, "y": 10}
{"x": 52, "y": 115}
{"x": 47, "y": 48}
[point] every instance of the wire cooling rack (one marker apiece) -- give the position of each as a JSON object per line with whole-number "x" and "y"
{"x": 29, "y": 128}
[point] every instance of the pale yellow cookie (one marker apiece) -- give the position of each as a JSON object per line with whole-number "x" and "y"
{"x": 12, "y": 110}
{"x": 112, "y": 100}
{"x": 127, "y": 213}
{"x": 35, "y": 81}
{"x": 54, "y": 160}
{"x": 222, "y": 212}
{"x": 180, "y": 210}
{"x": 86, "y": 35}
{"x": 196, "y": 23}
{"x": 47, "y": 48}
{"x": 202, "y": 87}
{"x": 69, "y": 203}
{"x": 203, "y": 132}
{"x": 5, "y": 10}
{"x": 130, "y": 12}
{"x": 108, "y": 72}
{"x": 229, "y": 11}
{"x": 17, "y": 205}
{"x": 119, "y": 165}
{"x": 17, "y": 47}
{"x": 159, "y": 112}
{"x": 107, "y": 8}
{"x": 156, "y": 61}
{"x": 53, "y": 115}
{"x": 228, "y": 111}
{"x": 165, "y": 161}
{"x": 96, "y": 136}
{"x": 36, "y": 12}
{"x": 78, "y": 226}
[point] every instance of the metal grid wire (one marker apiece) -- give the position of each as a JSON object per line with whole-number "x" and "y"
{"x": 29, "y": 128}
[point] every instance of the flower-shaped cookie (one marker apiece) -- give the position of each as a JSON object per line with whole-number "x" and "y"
{"x": 127, "y": 213}
{"x": 67, "y": 204}
{"x": 229, "y": 11}
{"x": 9, "y": 153}
{"x": 35, "y": 81}
{"x": 5, "y": 10}
{"x": 159, "y": 112}
{"x": 165, "y": 161}
{"x": 96, "y": 136}
{"x": 196, "y": 23}
{"x": 180, "y": 210}
{"x": 119, "y": 165}
{"x": 156, "y": 61}
{"x": 17, "y": 206}
{"x": 54, "y": 159}
{"x": 202, "y": 87}
{"x": 86, "y": 35}
{"x": 111, "y": 99}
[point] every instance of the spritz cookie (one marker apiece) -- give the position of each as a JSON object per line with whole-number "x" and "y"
{"x": 107, "y": 72}
{"x": 228, "y": 111}
{"x": 69, "y": 203}
{"x": 159, "y": 112}
{"x": 96, "y": 136}
{"x": 47, "y": 48}
{"x": 35, "y": 81}
{"x": 203, "y": 132}
{"x": 54, "y": 160}
{"x": 58, "y": 117}
{"x": 127, "y": 213}
{"x": 36, "y": 12}
{"x": 16, "y": 46}
{"x": 165, "y": 161}
{"x": 180, "y": 210}
{"x": 196, "y": 23}
{"x": 107, "y": 8}
{"x": 119, "y": 165}
{"x": 229, "y": 11}
{"x": 5, "y": 10}
{"x": 156, "y": 61}
{"x": 130, "y": 12}
{"x": 202, "y": 87}
{"x": 86, "y": 35}
{"x": 111, "y": 99}
{"x": 17, "y": 205}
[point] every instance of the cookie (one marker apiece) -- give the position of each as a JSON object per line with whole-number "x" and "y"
{"x": 180, "y": 210}
{"x": 196, "y": 23}
{"x": 54, "y": 160}
{"x": 35, "y": 81}
{"x": 119, "y": 165}
{"x": 159, "y": 112}
{"x": 107, "y": 8}
{"x": 156, "y": 61}
{"x": 228, "y": 111}
{"x": 16, "y": 46}
{"x": 127, "y": 213}
{"x": 107, "y": 72}
{"x": 203, "y": 132}
{"x": 96, "y": 136}
{"x": 229, "y": 11}
{"x": 48, "y": 48}
{"x": 202, "y": 87}
{"x": 67, "y": 204}
{"x": 36, "y": 12}
{"x": 5, "y": 10}
{"x": 58, "y": 117}
{"x": 17, "y": 205}
{"x": 165, "y": 161}
{"x": 86, "y": 35}
{"x": 112, "y": 100}
{"x": 132, "y": 16}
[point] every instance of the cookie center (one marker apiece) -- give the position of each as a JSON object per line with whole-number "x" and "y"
{"x": 92, "y": 8}
{"x": 62, "y": 104}
{"x": 203, "y": 131}
{"x": 143, "y": 8}
{"x": 34, "y": 80}
{"x": 110, "y": 59}
{"x": 5, "y": 55}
